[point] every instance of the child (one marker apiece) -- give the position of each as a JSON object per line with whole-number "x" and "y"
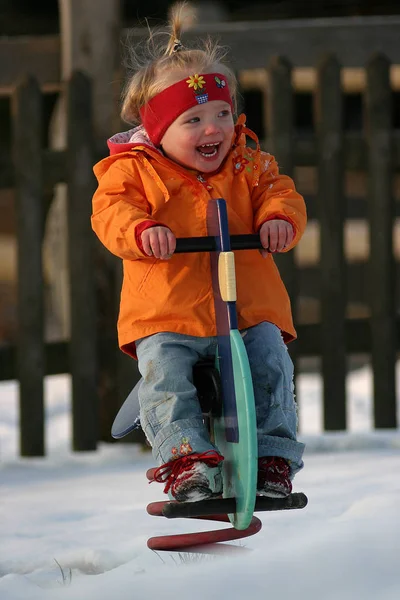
{"x": 155, "y": 187}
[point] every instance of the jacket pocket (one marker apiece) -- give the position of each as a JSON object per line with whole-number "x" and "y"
{"x": 146, "y": 278}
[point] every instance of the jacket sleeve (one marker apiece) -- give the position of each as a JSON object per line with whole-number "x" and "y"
{"x": 119, "y": 206}
{"x": 276, "y": 197}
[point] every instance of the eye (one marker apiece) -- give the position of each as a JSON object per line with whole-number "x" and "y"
{"x": 194, "y": 120}
{"x": 224, "y": 113}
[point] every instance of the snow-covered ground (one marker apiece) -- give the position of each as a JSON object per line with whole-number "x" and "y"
{"x": 74, "y": 526}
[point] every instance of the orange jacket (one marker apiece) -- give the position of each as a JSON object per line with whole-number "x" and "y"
{"x": 138, "y": 183}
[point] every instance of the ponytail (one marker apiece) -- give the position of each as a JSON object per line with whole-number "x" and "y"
{"x": 162, "y": 60}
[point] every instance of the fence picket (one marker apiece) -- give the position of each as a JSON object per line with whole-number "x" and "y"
{"x": 331, "y": 213}
{"x": 279, "y": 119}
{"x": 27, "y": 156}
{"x": 81, "y": 185}
{"x": 378, "y": 106}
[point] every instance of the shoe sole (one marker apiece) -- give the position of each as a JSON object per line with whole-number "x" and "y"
{"x": 272, "y": 494}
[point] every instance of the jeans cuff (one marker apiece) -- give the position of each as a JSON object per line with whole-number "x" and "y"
{"x": 291, "y": 450}
{"x": 180, "y": 438}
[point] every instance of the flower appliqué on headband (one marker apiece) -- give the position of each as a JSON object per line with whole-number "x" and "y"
{"x": 197, "y": 83}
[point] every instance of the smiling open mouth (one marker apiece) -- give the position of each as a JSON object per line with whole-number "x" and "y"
{"x": 209, "y": 150}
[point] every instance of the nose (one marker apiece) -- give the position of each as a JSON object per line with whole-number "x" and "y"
{"x": 211, "y": 128}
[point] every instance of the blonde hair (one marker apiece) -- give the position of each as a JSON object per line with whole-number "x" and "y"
{"x": 161, "y": 62}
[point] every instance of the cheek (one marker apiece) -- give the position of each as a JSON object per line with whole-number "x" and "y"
{"x": 230, "y": 130}
{"x": 189, "y": 141}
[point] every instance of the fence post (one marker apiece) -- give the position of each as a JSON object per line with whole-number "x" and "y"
{"x": 81, "y": 185}
{"x": 382, "y": 275}
{"x": 331, "y": 214}
{"x": 27, "y": 156}
{"x": 279, "y": 119}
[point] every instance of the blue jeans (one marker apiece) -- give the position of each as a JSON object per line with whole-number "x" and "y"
{"x": 170, "y": 412}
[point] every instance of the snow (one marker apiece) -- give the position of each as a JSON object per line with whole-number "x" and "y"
{"x": 74, "y": 526}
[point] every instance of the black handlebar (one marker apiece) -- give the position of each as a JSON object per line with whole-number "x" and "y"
{"x": 249, "y": 241}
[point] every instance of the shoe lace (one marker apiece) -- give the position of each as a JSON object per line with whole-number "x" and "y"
{"x": 168, "y": 472}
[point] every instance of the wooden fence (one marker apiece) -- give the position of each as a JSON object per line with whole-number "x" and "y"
{"x": 34, "y": 171}
{"x": 330, "y": 149}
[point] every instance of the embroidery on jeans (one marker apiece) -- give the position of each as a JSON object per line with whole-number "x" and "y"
{"x": 185, "y": 448}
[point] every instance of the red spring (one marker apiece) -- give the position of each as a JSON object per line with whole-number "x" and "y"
{"x": 191, "y": 540}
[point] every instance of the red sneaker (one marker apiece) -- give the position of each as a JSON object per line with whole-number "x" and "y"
{"x": 192, "y": 477}
{"x": 273, "y": 477}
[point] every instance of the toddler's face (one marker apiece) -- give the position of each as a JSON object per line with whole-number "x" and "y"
{"x": 201, "y": 137}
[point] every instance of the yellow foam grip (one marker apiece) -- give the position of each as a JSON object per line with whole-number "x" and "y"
{"x": 226, "y": 276}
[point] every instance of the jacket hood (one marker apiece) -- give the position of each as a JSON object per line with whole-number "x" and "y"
{"x": 137, "y": 138}
{"x": 124, "y": 141}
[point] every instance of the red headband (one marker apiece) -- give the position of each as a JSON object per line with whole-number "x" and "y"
{"x": 162, "y": 110}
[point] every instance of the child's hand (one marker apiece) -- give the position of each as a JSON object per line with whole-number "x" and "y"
{"x": 275, "y": 236}
{"x": 159, "y": 242}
